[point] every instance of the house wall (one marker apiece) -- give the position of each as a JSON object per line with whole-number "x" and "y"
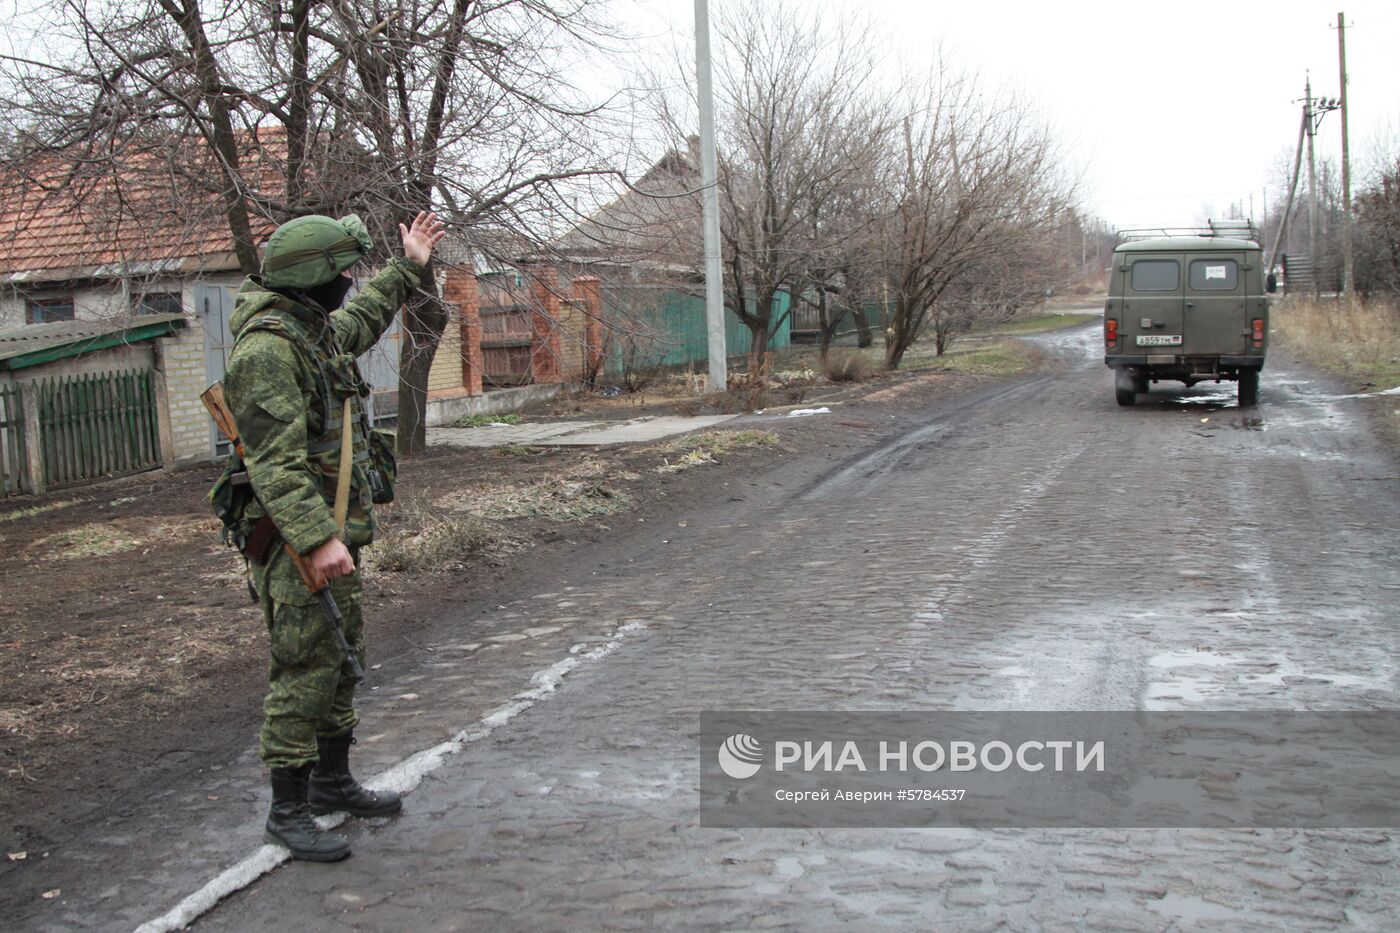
{"x": 179, "y": 359}
{"x": 446, "y": 373}
{"x": 94, "y": 302}
{"x": 181, "y": 363}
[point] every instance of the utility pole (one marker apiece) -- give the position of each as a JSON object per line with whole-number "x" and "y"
{"x": 1346, "y": 161}
{"x": 709, "y": 180}
{"x": 1312, "y": 182}
{"x": 1292, "y": 188}
{"x": 1313, "y": 112}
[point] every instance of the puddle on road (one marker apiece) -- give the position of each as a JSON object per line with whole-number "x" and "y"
{"x": 1189, "y": 658}
{"x": 790, "y": 867}
{"x": 1273, "y": 671}
{"x": 1210, "y": 400}
{"x": 1196, "y": 909}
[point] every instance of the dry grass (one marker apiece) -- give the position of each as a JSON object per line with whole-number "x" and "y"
{"x": 92, "y": 540}
{"x": 1361, "y": 341}
{"x": 558, "y": 499}
{"x": 423, "y": 540}
{"x": 481, "y": 421}
{"x": 695, "y": 450}
{"x": 34, "y": 510}
{"x": 848, "y": 365}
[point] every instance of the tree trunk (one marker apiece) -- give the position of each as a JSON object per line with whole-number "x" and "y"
{"x": 424, "y": 320}
{"x": 864, "y": 336}
{"x": 897, "y": 334}
{"x": 759, "y": 334}
{"x": 826, "y": 328}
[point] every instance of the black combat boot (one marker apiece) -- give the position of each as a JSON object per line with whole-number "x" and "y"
{"x": 333, "y": 789}
{"x": 289, "y": 823}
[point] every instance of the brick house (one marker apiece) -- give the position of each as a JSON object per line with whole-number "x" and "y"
{"x": 110, "y": 248}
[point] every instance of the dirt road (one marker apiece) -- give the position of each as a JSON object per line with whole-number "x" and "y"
{"x": 991, "y": 554}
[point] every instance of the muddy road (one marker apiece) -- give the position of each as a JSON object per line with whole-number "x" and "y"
{"x": 991, "y": 554}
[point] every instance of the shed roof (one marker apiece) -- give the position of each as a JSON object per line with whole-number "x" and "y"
{"x": 34, "y": 344}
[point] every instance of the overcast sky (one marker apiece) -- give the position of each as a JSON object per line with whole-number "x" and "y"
{"x": 1169, "y": 109}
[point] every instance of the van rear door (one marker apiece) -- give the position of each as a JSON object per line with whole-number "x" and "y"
{"x": 1216, "y": 322}
{"x": 1154, "y": 304}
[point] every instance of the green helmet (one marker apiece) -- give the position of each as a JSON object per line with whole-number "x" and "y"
{"x": 310, "y": 251}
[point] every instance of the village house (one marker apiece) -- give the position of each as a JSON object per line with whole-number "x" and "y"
{"x": 98, "y": 257}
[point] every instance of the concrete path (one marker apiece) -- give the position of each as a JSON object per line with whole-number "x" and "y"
{"x": 574, "y": 433}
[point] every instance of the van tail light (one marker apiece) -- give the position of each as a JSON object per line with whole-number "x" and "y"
{"x": 1258, "y": 332}
{"x": 1110, "y": 333}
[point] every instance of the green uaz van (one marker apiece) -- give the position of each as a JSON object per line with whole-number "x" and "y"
{"x": 1188, "y": 309}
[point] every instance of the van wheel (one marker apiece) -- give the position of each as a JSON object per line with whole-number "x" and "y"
{"x": 1124, "y": 387}
{"x": 1249, "y": 388}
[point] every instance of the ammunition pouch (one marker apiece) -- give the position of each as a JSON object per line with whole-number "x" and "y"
{"x": 262, "y": 540}
{"x": 230, "y": 498}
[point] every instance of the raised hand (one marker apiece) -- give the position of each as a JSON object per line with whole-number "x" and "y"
{"x": 420, "y": 238}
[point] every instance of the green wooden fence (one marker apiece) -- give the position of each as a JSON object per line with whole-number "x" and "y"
{"x": 97, "y": 425}
{"x": 14, "y": 466}
{"x": 660, "y": 326}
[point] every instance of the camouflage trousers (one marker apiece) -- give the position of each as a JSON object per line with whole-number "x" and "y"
{"x": 311, "y": 688}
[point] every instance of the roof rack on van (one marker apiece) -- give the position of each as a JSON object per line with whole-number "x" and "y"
{"x": 1234, "y": 229}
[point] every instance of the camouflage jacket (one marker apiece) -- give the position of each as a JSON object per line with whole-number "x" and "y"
{"x": 288, "y": 404}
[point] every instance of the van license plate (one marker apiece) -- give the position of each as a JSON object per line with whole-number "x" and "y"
{"x": 1159, "y": 340}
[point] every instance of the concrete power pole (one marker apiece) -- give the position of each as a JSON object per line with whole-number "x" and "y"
{"x": 1346, "y": 161}
{"x": 709, "y": 180}
{"x": 1312, "y": 181}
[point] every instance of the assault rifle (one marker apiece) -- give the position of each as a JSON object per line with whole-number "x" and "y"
{"x": 214, "y": 401}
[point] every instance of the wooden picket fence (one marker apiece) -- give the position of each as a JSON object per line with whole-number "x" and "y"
{"x": 14, "y": 466}
{"x": 97, "y": 425}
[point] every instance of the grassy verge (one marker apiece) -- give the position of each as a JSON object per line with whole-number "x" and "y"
{"x": 1041, "y": 323}
{"x": 1006, "y": 357}
{"x": 985, "y": 357}
{"x": 1361, "y": 342}
{"x": 481, "y": 421}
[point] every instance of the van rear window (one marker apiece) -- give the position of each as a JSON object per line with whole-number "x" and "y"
{"x": 1212, "y": 275}
{"x": 1156, "y": 275}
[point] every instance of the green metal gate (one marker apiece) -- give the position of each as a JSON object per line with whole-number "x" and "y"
{"x": 97, "y": 426}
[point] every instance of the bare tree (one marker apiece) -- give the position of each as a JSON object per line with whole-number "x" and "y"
{"x": 973, "y": 184}
{"x": 798, "y": 131}
{"x": 1378, "y": 232}
{"x": 376, "y": 107}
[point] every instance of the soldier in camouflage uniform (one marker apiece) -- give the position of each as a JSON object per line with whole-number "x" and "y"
{"x": 291, "y": 368}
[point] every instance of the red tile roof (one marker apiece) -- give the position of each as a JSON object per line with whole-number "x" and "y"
{"x": 68, "y": 215}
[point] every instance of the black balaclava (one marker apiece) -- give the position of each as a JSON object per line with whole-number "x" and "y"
{"x": 331, "y": 295}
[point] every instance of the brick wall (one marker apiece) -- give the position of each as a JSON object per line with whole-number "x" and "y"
{"x": 180, "y": 361}
{"x": 460, "y": 292}
{"x": 588, "y": 295}
{"x": 546, "y": 351}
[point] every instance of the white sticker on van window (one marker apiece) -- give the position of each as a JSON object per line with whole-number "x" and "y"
{"x": 1215, "y": 272}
